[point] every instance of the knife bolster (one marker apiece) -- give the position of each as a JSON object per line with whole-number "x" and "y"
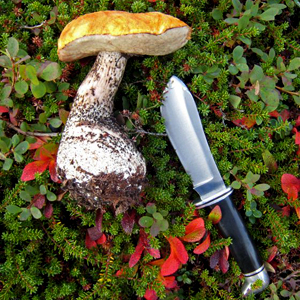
{"x": 217, "y": 197}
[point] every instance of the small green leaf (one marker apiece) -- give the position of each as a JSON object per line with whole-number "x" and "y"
{"x": 163, "y": 225}
{"x": 31, "y": 73}
{"x": 7, "y": 164}
{"x": 217, "y": 14}
{"x": 157, "y": 216}
{"x": 13, "y": 47}
{"x": 5, "y": 92}
{"x": 51, "y": 196}
{"x": 235, "y": 100}
{"x": 18, "y": 157}
{"x": 269, "y": 161}
{"x": 22, "y": 147}
{"x": 51, "y": 87}
{"x": 256, "y": 74}
{"x": 21, "y": 87}
{"x": 237, "y": 53}
{"x": 36, "y": 213}
{"x": 25, "y": 196}
{"x": 24, "y": 126}
{"x": 269, "y": 14}
{"x": 15, "y": 140}
{"x": 146, "y": 221}
{"x": 233, "y": 69}
{"x": 38, "y": 90}
{"x": 243, "y": 22}
{"x": 231, "y": 20}
{"x": 251, "y": 178}
{"x": 43, "y": 118}
{"x": 248, "y": 213}
{"x": 55, "y": 122}
{"x": 13, "y": 209}
{"x": 164, "y": 213}
{"x": 249, "y": 195}
{"x": 294, "y": 64}
{"x": 43, "y": 190}
{"x": 237, "y": 5}
{"x": 5, "y": 62}
{"x": 3, "y": 146}
{"x": 236, "y": 185}
{"x": 51, "y": 72}
{"x": 296, "y": 99}
{"x": 242, "y": 67}
{"x": 31, "y": 190}
{"x": 257, "y": 213}
{"x": 25, "y": 214}
{"x": 151, "y": 209}
{"x": 262, "y": 187}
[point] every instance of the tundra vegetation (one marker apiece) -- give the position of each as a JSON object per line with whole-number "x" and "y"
{"x": 242, "y": 66}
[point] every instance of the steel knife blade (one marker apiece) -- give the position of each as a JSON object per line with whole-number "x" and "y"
{"x": 186, "y": 134}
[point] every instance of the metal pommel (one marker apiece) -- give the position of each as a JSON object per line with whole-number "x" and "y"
{"x": 251, "y": 278}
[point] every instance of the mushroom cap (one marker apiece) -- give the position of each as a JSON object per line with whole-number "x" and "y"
{"x": 150, "y": 33}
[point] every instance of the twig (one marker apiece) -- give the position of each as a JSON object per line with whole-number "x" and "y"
{"x": 294, "y": 274}
{"x": 33, "y": 27}
{"x": 28, "y": 133}
{"x": 149, "y": 133}
{"x": 288, "y": 92}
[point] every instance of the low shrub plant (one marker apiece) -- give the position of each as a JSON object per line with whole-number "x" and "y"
{"x": 242, "y": 66}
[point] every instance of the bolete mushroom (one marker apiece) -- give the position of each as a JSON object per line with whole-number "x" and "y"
{"x": 96, "y": 160}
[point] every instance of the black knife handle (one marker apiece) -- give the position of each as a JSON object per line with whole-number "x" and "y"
{"x": 242, "y": 247}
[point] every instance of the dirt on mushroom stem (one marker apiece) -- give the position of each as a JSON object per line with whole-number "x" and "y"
{"x": 96, "y": 160}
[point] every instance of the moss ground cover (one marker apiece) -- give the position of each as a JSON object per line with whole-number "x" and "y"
{"x": 242, "y": 66}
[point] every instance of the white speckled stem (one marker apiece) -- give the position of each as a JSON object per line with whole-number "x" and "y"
{"x": 94, "y": 98}
{"x": 96, "y": 161}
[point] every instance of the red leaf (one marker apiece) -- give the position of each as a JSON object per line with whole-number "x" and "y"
{"x": 101, "y": 240}
{"x": 297, "y": 137}
{"x": 285, "y": 114}
{"x": 3, "y": 109}
{"x": 98, "y": 221}
{"x": 272, "y": 253}
{"x": 178, "y": 249}
{"x": 48, "y": 211}
{"x": 32, "y": 168}
{"x": 94, "y": 233}
{"x": 298, "y": 122}
{"x": 223, "y": 262}
{"x": 52, "y": 171}
{"x": 290, "y": 185}
{"x": 135, "y": 257}
{"x": 245, "y": 122}
{"x": 194, "y": 231}
{"x": 37, "y": 144}
{"x": 203, "y": 246}
{"x": 120, "y": 272}
{"x": 128, "y": 221}
{"x": 89, "y": 243}
{"x": 286, "y": 211}
{"x": 215, "y": 215}
{"x": 169, "y": 282}
{"x": 39, "y": 201}
{"x": 171, "y": 265}
{"x": 177, "y": 256}
{"x": 214, "y": 259}
{"x": 150, "y": 295}
{"x": 153, "y": 252}
{"x": 298, "y": 212}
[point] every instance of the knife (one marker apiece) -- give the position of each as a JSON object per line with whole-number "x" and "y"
{"x": 185, "y": 131}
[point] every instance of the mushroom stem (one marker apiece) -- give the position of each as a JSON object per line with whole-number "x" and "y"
{"x": 94, "y": 98}
{"x": 96, "y": 161}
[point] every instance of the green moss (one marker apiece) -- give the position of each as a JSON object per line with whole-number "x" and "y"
{"x": 47, "y": 258}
